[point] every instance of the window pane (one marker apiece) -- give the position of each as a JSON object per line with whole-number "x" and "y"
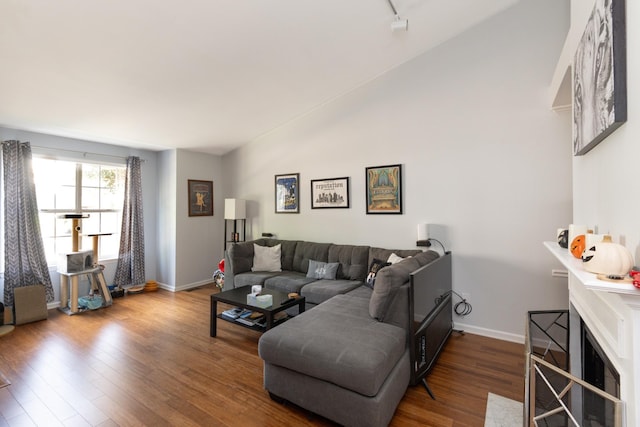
{"x": 56, "y": 172}
{"x": 63, "y": 227}
{"x": 90, "y": 175}
{"x": 63, "y": 245}
{"x": 49, "y": 244}
{"x": 109, "y": 246}
{"x": 110, "y": 199}
{"x": 91, "y": 225}
{"x": 113, "y": 178}
{"x": 65, "y": 198}
{"x": 110, "y": 222}
{"x": 46, "y": 196}
{"x": 90, "y": 198}
{"x": 47, "y": 224}
{"x": 102, "y": 188}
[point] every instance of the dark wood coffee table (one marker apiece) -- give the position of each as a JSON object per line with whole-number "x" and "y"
{"x": 238, "y": 298}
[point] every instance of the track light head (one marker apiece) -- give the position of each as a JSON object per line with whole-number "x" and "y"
{"x": 400, "y": 24}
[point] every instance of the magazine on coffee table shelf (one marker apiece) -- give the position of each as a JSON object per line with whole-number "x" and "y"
{"x": 232, "y": 313}
{"x": 244, "y": 316}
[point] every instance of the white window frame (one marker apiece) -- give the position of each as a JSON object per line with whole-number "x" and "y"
{"x": 78, "y": 196}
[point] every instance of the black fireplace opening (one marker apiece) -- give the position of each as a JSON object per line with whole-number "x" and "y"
{"x": 598, "y": 371}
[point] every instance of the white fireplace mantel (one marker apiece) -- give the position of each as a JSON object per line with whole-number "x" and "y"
{"x": 611, "y": 311}
{"x": 589, "y": 280}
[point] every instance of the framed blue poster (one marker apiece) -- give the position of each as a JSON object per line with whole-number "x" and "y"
{"x": 288, "y": 193}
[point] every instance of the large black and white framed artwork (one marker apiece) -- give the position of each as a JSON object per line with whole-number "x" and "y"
{"x": 600, "y": 77}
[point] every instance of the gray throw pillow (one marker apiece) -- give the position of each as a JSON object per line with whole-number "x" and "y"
{"x": 322, "y": 270}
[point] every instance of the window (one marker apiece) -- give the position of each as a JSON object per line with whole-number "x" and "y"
{"x": 92, "y": 189}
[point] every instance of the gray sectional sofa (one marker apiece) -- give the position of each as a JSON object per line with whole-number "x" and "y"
{"x": 347, "y": 357}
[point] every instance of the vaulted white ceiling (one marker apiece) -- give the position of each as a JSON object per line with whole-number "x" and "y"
{"x": 203, "y": 75}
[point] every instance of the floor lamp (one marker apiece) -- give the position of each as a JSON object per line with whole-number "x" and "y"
{"x": 235, "y": 210}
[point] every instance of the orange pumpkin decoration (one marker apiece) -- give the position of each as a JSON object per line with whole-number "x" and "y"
{"x": 577, "y": 246}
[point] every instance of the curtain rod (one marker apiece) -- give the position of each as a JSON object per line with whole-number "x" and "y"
{"x": 84, "y": 153}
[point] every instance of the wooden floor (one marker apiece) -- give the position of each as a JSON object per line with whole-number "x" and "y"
{"x": 148, "y": 360}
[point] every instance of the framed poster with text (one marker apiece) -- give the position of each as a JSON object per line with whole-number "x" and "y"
{"x": 330, "y": 193}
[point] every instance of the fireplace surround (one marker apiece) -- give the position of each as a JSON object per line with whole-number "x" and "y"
{"x": 610, "y": 313}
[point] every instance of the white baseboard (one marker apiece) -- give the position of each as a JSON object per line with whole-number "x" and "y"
{"x": 186, "y": 286}
{"x": 491, "y": 333}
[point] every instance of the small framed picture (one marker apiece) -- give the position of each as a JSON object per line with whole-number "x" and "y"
{"x": 287, "y": 193}
{"x": 330, "y": 193}
{"x": 200, "y": 198}
{"x": 384, "y": 189}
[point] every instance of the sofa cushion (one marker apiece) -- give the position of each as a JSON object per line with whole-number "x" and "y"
{"x": 384, "y": 254}
{"x": 361, "y": 292}
{"x": 352, "y": 259}
{"x": 251, "y": 278}
{"x": 338, "y": 342}
{"x": 390, "y": 279}
{"x": 322, "y": 270}
{"x": 288, "y": 281}
{"x": 321, "y": 290}
{"x": 266, "y": 258}
{"x": 306, "y": 251}
{"x": 241, "y": 257}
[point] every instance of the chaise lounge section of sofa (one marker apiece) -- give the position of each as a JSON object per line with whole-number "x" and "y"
{"x": 347, "y": 357}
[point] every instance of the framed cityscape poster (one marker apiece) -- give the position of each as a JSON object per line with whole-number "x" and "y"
{"x": 330, "y": 193}
{"x": 384, "y": 189}
{"x": 200, "y": 198}
{"x": 287, "y": 193}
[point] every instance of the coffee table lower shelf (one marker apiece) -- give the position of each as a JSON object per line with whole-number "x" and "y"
{"x": 237, "y": 297}
{"x": 253, "y": 327}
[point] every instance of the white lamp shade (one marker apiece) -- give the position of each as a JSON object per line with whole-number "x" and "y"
{"x": 423, "y": 231}
{"x": 235, "y": 209}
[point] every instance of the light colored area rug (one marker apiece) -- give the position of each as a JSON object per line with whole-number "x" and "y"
{"x": 503, "y": 412}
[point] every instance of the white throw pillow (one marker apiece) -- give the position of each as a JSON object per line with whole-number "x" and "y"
{"x": 393, "y": 258}
{"x": 266, "y": 258}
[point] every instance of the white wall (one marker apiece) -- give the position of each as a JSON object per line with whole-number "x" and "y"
{"x": 483, "y": 157}
{"x": 167, "y": 221}
{"x": 190, "y": 247}
{"x": 76, "y": 149}
{"x": 199, "y": 240}
{"x": 605, "y": 180}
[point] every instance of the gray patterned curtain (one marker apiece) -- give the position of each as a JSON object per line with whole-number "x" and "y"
{"x": 25, "y": 262}
{"x": 130, "y": 269}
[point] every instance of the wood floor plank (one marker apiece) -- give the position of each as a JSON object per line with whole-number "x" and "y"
{"x": 148, "y": 360}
